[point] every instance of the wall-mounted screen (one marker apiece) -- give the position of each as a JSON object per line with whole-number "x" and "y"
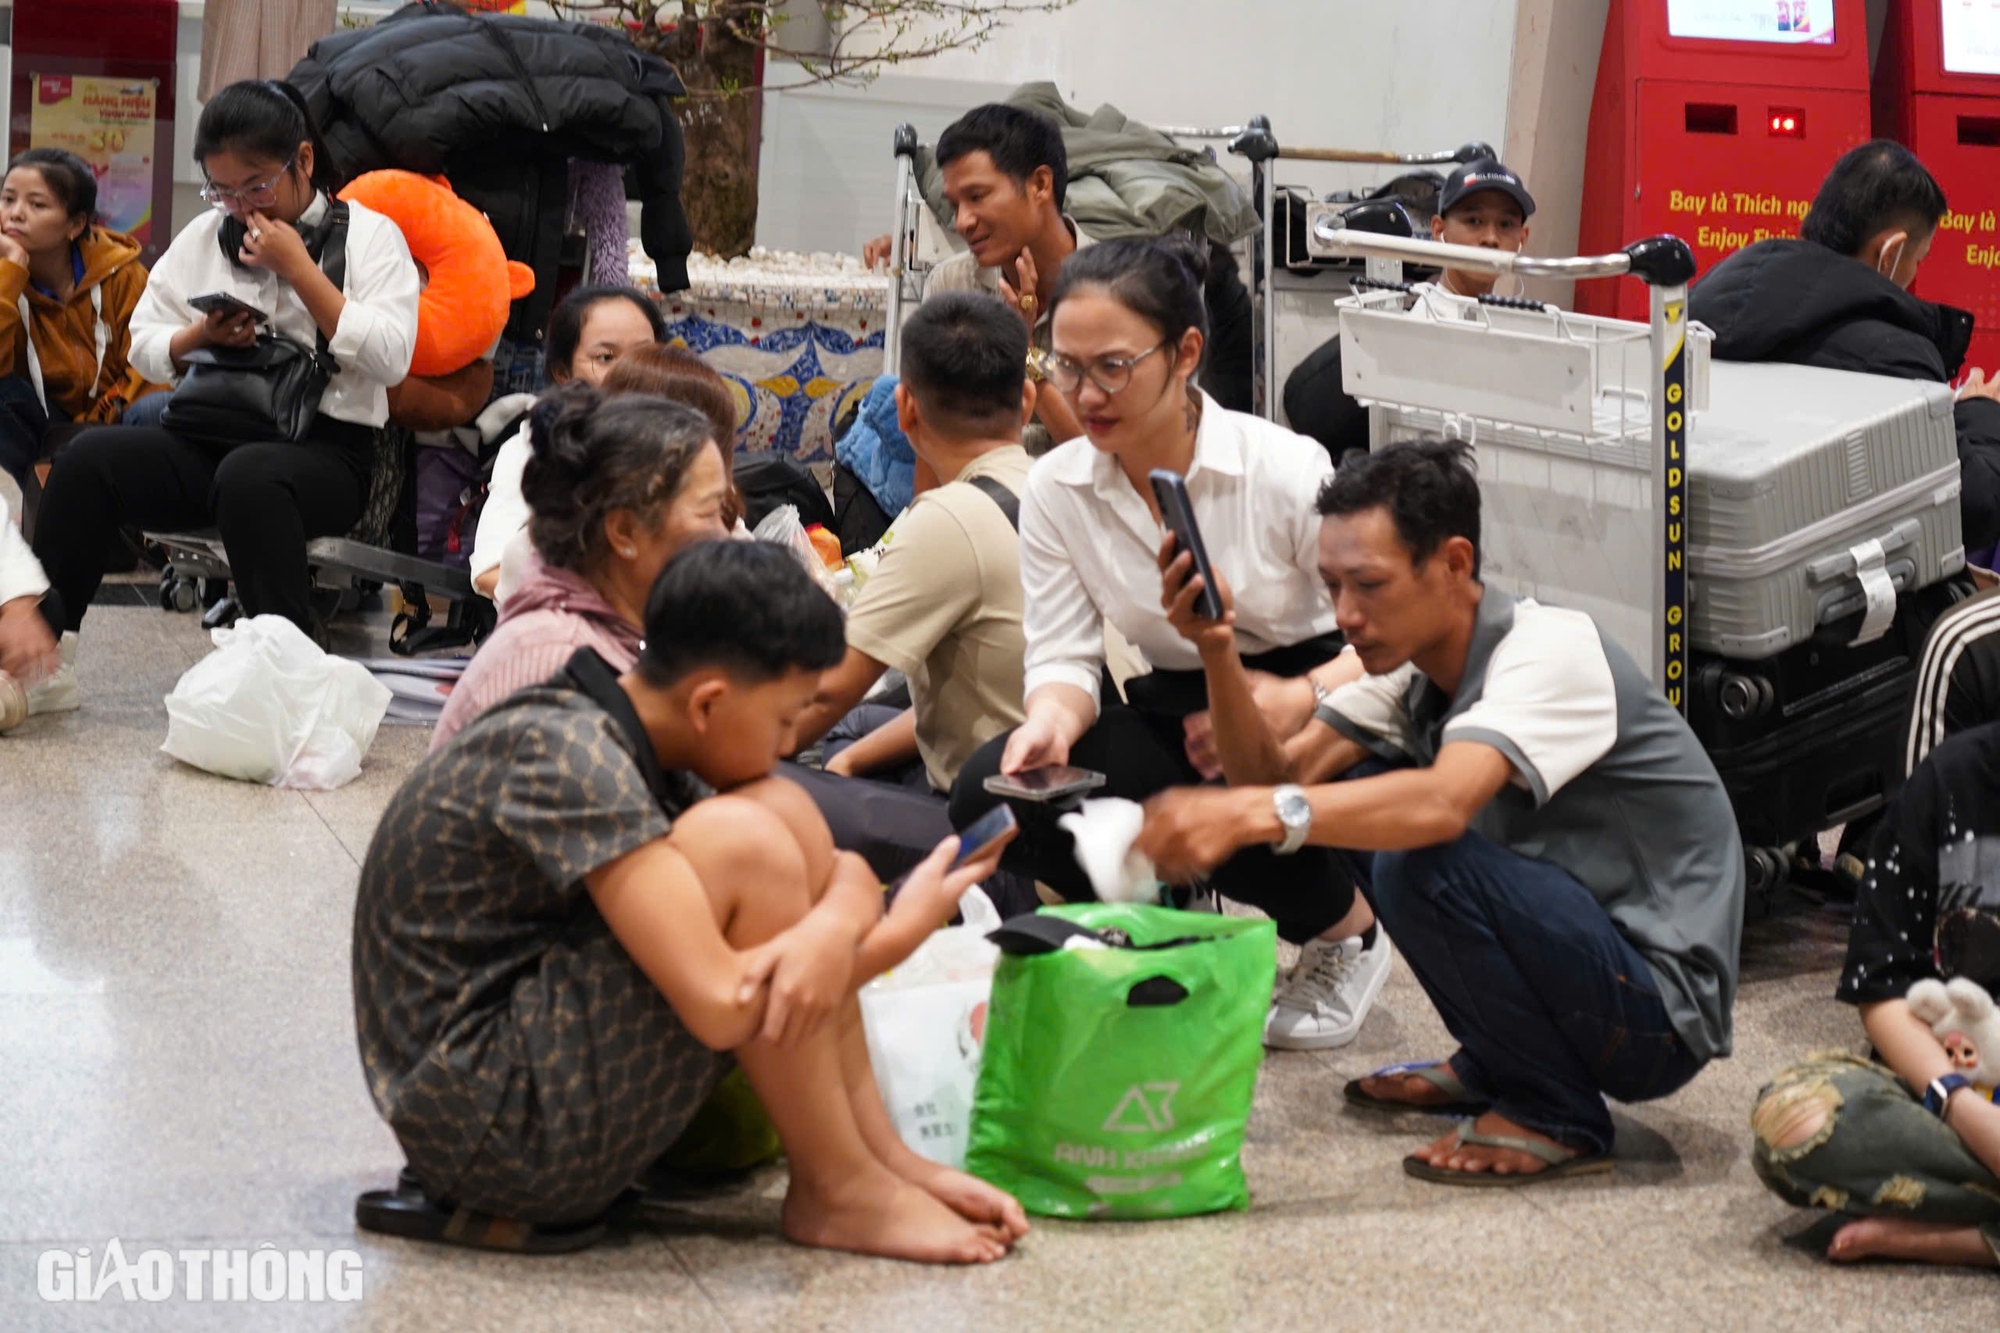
{"x": 1783, "y": 22}
{"x": 1971, "y": 36}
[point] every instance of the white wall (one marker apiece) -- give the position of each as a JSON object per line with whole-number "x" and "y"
{"x": 1329, "y": 73}
{"x": 1556, "y": 47}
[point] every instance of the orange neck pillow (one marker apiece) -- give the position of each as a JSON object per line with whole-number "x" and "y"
{"x": 464, "y": 305}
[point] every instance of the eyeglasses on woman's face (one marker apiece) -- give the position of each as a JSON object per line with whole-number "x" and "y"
{"x": 257, "y": 195}
{"x": 1109, "y": 373}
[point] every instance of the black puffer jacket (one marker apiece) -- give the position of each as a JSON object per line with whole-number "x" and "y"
{"x": 1799, "y": 302}
{"x": 498, "y": 104}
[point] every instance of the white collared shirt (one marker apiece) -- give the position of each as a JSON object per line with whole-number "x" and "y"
{"x": 1443, "y": 303}
{"x": 1089, "y": 548}
{"x": 378, "y": 327}
{"x": 20, "y": 573}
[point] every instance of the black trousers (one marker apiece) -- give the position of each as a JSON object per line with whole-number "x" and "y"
{"x": 1140, "y": 748}
{"x": 24, "y": 425}
{"x": 268, "y": 500}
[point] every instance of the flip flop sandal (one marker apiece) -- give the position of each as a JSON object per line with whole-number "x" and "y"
{"x": 408, "y": 1212}
{"x": 1564, "y": 1163}
{"x": 1438, "y": 1073}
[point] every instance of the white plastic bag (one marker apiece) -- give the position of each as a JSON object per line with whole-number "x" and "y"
{"x": 784, "y": 527}
{"x": 926, "y": 1026}
{"x": 269, "y": 706}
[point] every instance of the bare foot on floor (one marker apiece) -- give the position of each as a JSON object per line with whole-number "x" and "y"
{"x": 877, "y": 1213}
{"x": 1447, "y": 1153}
{"x": 1918, "y": 1242}
{"x": 972, "y": 1199}
{"x": 1407, "y": 1089}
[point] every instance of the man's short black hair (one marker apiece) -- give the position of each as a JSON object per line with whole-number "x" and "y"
{"x": 964, "y": 359}
{"x": 1018, "y": 142}
{"x": 1428, "y": 486}
{"x": 745, "y": 607}
{"x": 1879, "y": 186}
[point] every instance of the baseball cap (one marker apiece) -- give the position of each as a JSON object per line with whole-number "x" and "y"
{"x": 1484, "y": 174}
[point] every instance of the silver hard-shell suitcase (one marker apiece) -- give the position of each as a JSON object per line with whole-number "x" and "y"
{"x": 1814, "y": 495}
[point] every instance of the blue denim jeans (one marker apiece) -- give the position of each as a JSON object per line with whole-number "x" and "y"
{"x": 147, "y": 411}
{"x": 1553, "y": 1009}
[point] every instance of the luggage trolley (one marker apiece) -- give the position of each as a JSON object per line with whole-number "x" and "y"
{"x": 906, "y": 271}
{"x": 1580, "y": 425}
{"x": 1567, "y": 381}
{"x": 197, "y": 571}
{"x": 1277, "y": 274}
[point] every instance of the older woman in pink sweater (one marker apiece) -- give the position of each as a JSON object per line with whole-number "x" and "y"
{"x": 617, "y": 487}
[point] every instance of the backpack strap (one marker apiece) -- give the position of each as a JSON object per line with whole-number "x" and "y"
{"x": 333, "y": 263}
{"x": 591, "y": 675}
{"x": 1010, "y": 504}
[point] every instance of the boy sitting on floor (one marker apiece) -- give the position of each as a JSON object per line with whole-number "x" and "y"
{"x": 560, "y": 928}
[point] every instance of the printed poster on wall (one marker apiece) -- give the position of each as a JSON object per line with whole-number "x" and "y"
{"x": 108, "y": 122}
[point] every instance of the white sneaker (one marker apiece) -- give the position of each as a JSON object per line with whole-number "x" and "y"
{"x": 1201, "y": 898}
{"x": 1321, "y": 1004}
{"x": 57, "y": 694}
{"x": 13, "y": 703}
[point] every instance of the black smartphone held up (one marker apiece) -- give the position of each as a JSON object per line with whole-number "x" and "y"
{"x": 989, "y": 828}
{"x": 1177, "y": 512}
{"x": 1051, "y": 782}
{"x": 222, "y": 303}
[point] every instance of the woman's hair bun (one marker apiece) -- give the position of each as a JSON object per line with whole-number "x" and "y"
{"x": 554, "y": 420}
{"x": 1191, "y": 253}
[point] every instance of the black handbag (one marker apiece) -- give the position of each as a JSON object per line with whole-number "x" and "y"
{"x": 269, "y": 391}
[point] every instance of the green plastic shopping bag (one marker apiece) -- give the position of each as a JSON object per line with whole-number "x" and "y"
{"x": 1117, "y": 1080}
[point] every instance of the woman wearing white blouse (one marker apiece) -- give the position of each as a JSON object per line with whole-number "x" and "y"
{"x": 266, "y": 184}
{"x": 1128, "y": 334}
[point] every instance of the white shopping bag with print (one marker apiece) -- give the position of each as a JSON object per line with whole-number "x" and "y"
{"x": 926, "y": 1025}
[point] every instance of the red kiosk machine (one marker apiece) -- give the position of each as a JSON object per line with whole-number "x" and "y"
{"x": 97, "y": 77}
{"x": 1714, "y": 121}
{"x": 1937, "y": 89}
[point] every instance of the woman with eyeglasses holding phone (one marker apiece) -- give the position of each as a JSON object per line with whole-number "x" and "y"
{"x": 1129, "y": 330}
{"x": 269, "y": 186}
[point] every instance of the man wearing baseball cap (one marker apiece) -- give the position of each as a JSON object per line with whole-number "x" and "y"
{"x": 1485, "y": 204}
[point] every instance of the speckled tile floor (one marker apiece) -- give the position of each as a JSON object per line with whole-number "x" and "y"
{"x": 177, "y": 1071}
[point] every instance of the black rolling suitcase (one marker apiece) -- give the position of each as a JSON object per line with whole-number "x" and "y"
{"x": 1813, "y": 737}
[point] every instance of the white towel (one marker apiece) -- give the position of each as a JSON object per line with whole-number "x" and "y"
{"x": 1104, "y": 831}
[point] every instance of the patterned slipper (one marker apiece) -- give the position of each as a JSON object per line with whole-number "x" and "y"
{"x": 1563, "y": 1162}
{"x": 408, "y": 1212}
{"x": 1437, "y": 1073}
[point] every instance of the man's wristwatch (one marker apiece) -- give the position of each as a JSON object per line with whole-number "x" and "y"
{"x": 1938, "y": 1095}
{"x": 1038, "y": 365}
{"x": 1295, "y": 814}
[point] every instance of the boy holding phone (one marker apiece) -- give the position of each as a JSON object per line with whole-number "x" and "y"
{"x": 558, "y": 900}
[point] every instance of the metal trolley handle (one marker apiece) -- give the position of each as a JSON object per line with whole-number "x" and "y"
{"x": 1256, "y": 142}
{"x": 1658, "y": 261}
{"x": 1666, "y": 266}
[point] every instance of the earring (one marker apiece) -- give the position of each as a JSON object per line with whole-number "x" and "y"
{"x": 628, "y": 552}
